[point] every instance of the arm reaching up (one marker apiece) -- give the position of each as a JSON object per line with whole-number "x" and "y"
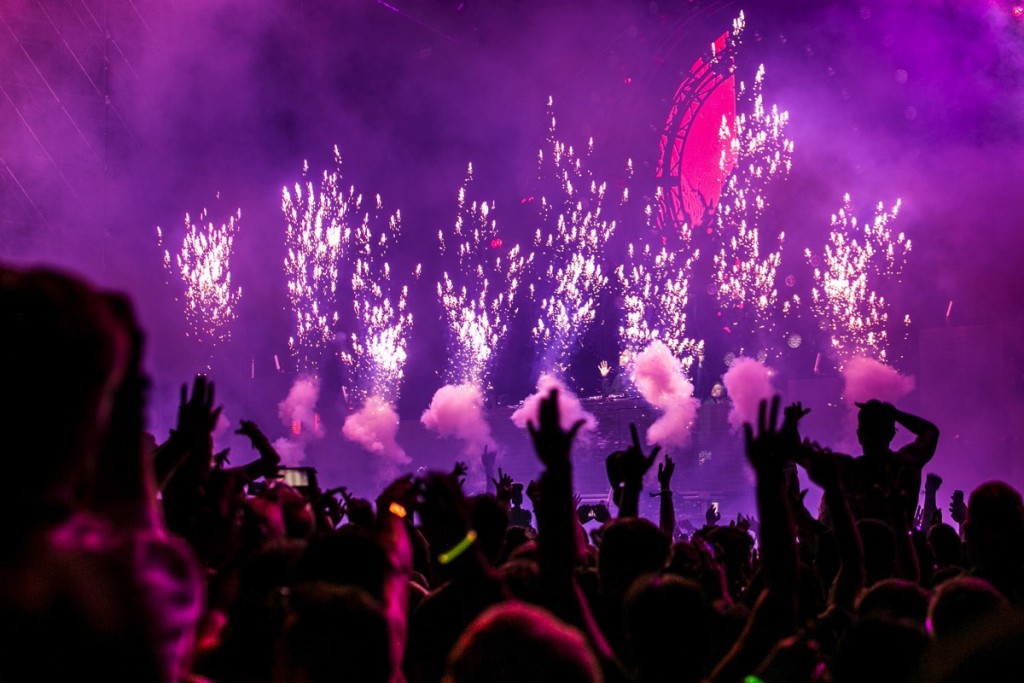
{"x": 774, "y": 614}
{"x": 560, "y": 544}
{"x": 269, "y": 459}
{"x": 626, "y": 470}
{"x": 667, "y": 512}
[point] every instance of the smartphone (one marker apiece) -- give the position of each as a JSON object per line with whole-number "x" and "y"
{"x": 297, "y": 477}
{"x": 958, "y": 496}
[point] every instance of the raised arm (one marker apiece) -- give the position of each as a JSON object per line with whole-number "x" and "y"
{"x": 822, "y": 468}
{"x": 393, "y": 508}
{"x": 774, "y": 615}
{"x": 667, "y": 510}
{"x": 268, "y": 461}
{"x": 189, "y": 450}
{"x": 926, "y": 435}
{"x": 930, "y": 512}
{"x": 626, "y": 470}
{"x": 487, "y": 460}
{"x": 560, "y": 547}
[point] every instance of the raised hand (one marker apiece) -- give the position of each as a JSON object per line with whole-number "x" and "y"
{"x": 220, "y": 459}
{"x": 251, "y": 431}
{"x": 503, "y": 486}
{"x": 819, "y": 462}
{"x": 398, "y": 499}
{"x": 794, "y": 412}
{"x": 747, "y": 523}
{"x": 626, "y": 471}
{"x": 958, "y": 508}
{"x": 665, "y": 471}
{"x": 552, "y": 443}
{"x": 630, "y": 466}
{"x": 488, "y": 458}
{"x": 712, "y": 515}
{"x": 198, "y": 413}
{"x": 459, "y": 472}
{"x": 269, "y": 460}
{"x": 766, "y": 450}
{"x": 791, "y": 417}
{"x": 533, "y": 493}
{"x": 187, "y": 457}
{"x": 444, "y": 511}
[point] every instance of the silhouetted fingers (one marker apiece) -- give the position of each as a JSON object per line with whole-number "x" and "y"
{"x": 635, "y": 435}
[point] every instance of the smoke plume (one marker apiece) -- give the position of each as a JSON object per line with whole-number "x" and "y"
{"x": 298, "y": 414}
{"x": 866, "y": 378}
{"x": 292, "y": 452}
{"x": 298, "y": 410}
{"x": 748, "y": 382}
{"x": 457, "y": 410}
{"x": 659, "y": 377}
{"x": 569, "y": 408}
{"x": 374, "y": 428}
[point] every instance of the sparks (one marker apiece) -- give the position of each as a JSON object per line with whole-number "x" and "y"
{"x": 570, "y": 244}
{"x": 317, "y": 235}
{"x": 744, "y": 276}
{"x": 204, "y": 265}
{"x": 655, "y": 291}
{"x": 378, "y": 342}
{"x": 478, "y": 290}
{"x": 848, "y": 308}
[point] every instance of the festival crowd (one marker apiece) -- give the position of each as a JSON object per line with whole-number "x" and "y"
{"x": 134, "y": 557}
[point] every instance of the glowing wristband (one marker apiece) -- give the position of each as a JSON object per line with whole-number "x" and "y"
{"x": 460, "y": 547}
{"x": 398, "y": 510}
{"x": 752, "y": 679}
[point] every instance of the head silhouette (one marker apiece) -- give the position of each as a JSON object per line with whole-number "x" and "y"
{"x": 876, "y": 424}
{"x": 67, "y": 349}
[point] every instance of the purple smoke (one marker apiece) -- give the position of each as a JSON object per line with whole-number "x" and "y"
{"x": 569, "y": 407}
{"x": 866, "y": 378}
{"x": 374, "y": 428}
{"x": 748, "y": 382}
{"x": 457, "y": 410}
{"x": 659, "y": 378}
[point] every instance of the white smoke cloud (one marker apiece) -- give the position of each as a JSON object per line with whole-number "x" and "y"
{"x": 569, "y": 408}
{"x": 748, "y": 382}
{"x": 298, "y": 410}
{"x": 866, "y": 378}
{"x": 659, "y": 377}
{"x": 374, "y": 428}
{"x": 292, "y": 452}
{"x": 457, "y": 410}
{"x": 298, "y": 414}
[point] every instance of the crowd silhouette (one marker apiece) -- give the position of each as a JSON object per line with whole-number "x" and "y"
{"x": 133, "y": 557}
